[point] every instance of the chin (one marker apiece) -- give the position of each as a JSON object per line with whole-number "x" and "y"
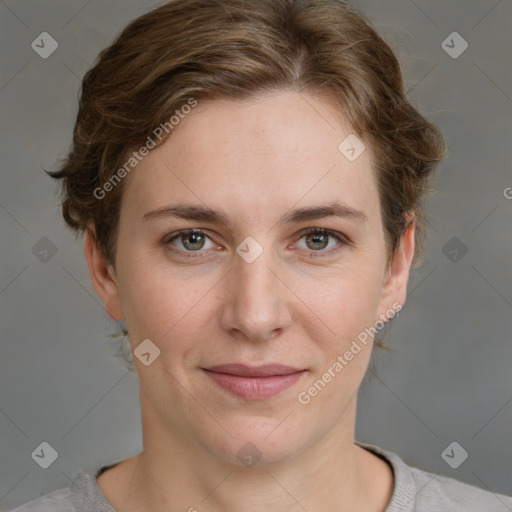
{"x": 258, "y": 440}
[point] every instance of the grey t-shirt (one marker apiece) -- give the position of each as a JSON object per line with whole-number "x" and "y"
{"x": 415, "y": 491}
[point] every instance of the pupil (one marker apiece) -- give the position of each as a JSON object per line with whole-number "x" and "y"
{"x": 195, "y": 238}
{"x": 316, "y": 237}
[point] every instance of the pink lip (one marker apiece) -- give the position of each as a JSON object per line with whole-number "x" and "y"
{"x": 257, "y": 382}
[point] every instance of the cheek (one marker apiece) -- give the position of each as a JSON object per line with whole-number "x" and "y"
{"x": 345, "y": 302}
{"x": 163, "y": 305}
{"x": 175, "y": 305}
{"x": 350, "y": 311}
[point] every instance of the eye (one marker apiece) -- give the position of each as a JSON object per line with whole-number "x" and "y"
{"x": 318, "y": 239}
{"x": 191, "y": 241}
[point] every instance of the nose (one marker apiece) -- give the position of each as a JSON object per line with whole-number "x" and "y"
{"x": 256, "y": 300}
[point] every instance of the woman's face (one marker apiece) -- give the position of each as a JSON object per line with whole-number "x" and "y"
{"x": 254, "y": 289}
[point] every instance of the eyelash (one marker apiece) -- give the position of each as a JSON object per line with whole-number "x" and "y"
{"x": 313, "y": 254}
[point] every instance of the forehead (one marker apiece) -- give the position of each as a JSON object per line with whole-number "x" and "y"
{"x": 272, "y": 152}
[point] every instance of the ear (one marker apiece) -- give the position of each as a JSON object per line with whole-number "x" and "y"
{"x": 102, "y": 277}
{"x": 394, "y": 289}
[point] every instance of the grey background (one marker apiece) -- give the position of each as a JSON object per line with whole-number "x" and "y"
{"x": 449, "y": 377}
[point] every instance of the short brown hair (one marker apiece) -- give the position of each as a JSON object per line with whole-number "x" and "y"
{"x": 234, "y": 49}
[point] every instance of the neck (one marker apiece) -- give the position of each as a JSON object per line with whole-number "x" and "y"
{"x": 175, "y": 473}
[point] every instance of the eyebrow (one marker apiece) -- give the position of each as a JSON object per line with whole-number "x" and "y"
{"x": 205, "y": 214}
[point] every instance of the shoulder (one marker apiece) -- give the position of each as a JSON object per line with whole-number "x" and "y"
{"x": 436, "y": 492}
{"x": 82, "y": 495}
{"x": 416, "y": 490}
{"x": 55, "y": 501}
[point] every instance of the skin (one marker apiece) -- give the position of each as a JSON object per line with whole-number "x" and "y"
{"x": 255, "y": 161}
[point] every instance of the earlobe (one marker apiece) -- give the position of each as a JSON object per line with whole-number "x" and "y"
{"x": 102, "y": 276}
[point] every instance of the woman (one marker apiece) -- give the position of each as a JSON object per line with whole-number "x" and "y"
{"x": 249, "y": 176}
